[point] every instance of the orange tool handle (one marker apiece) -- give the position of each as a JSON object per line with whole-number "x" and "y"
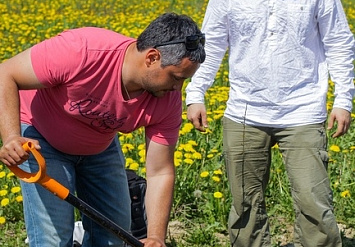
{"x": 40, "y": 177}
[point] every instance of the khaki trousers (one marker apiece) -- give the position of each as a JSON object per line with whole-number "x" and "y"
{"x": 247, "y": 152}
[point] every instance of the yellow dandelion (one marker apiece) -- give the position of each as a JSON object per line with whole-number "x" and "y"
{"x": 10, "y": 175}
{"x": 334, "y": 148}
{"x": 15, "y": 189}
{"x": 178, "y": 154}
{"x": 204, "y": 174}
{"x": 218, "y": 172}
{"x": 3, "y": 192}
{"x": 189, "y": 148}
{"x": 192, "y": 142}
{"x": 128, "y": 135}
{"x": 141, "y": 153}
{"x": 207, "y": 131}
{"x": 129, "y": 161}
{"x": 141, "y": 130}
{"x": 210, "y": 156}
{"x": 216, "y": 179}
{"x": 134, "y": 166}
{"x": 345, "y": 193}
{"x": 329, "y": 105}
{"x": 187, "y": 156}
{"x": 2, "y": 220}
{"x": 188, "y": 126}
{"x": 188, "y": 161}
{"x": 19, "y": 198}
{"x": 5, "y": 202}
{"x": 177, "y": 162}
{"x": 128, "y": 146}
{"x": 222, "y": 108}
{"x": 217, "y": 195}
{"x": 2, "y": 174}
{"x": 197, "y": 156}
{"x": 218, "y": 116}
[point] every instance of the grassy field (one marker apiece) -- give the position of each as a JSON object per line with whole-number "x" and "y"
{"x": 202, "y": 200}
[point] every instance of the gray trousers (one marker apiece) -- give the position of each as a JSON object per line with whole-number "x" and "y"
{"x": 247, "y": 152}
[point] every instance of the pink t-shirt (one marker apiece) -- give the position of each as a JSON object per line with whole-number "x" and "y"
{"x": 82, "y": 108}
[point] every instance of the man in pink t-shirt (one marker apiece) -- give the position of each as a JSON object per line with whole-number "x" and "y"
{"x": 76, "y": 91}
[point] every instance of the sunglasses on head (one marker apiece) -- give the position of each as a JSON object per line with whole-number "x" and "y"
{"x": 191, "y": 42}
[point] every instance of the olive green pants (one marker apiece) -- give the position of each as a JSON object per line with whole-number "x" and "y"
{"x": 247, "y": 152}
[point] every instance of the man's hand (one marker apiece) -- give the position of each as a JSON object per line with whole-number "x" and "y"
{"x": 153, "y": 242}
{"x": 343, "y": 119}
{"x": 12, "y": 153}
{"x": 196, "y": 114}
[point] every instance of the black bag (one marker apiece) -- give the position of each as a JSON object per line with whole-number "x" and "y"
{"x": 137, "y": 187}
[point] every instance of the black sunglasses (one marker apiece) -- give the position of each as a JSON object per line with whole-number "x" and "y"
{"x": 191, "y": 42}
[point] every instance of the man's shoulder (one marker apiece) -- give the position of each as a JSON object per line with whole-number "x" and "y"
{"x": 97, "y": 35}
{"x": 101, "y": 30}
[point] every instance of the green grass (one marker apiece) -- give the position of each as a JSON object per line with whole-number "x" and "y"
{"x": 202, "y": 199}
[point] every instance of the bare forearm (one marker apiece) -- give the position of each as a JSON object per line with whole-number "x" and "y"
{"x": 160, "y": 187}
{"x": 158, "y": 203}
{"x": 9, "y": 108}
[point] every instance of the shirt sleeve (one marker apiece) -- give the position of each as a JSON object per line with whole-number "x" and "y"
{"x": 64, "y": 58}
{"x": 166, "y": 131}
{"x": 338, "y": 42}
{"x": 215, "y": 27}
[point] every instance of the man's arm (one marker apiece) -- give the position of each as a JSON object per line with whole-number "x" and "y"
{"x": 338, "y": 42}
{"x": 216, "y": 30}
{"x": 15, "y": 74}
{"x": 159, "y": 195}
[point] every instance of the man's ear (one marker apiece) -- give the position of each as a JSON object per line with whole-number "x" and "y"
{"x": 152, "y": 57}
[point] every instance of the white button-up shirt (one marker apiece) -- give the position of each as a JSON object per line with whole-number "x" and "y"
{"x": 281, "y": 53}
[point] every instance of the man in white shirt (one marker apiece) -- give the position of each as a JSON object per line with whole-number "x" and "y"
{"x": 280, "y": 54}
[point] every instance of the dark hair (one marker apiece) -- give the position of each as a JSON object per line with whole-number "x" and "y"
{"x": 169, "y": 27}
